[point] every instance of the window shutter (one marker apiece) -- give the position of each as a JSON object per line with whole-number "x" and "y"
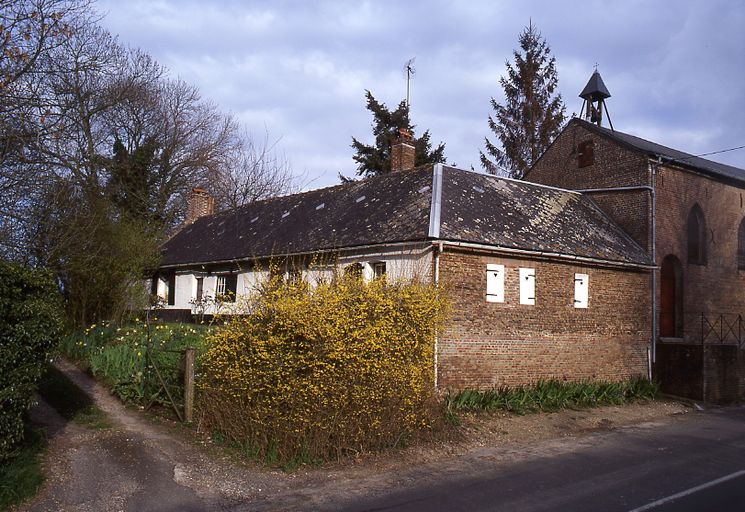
{"x": 200, "y": 288}
{"x": 494, "y": 283}
{"x": 527, "y": 286}
{"x": 586, "y": 154}
{"x": 581, "y": 290}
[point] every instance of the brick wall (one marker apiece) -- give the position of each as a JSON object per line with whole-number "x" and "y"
{"x": 612, "y": 166}
{"x": 492, "y": 344}
{"x": 713, "y": 289}
{"x": 717, "y": 287}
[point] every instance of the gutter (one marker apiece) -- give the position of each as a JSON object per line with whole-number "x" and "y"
{"x": 616, "y": 189}
{"x": 545, "y": 254}
{"x": 436, "y": 250}
{"x": 653, "y": 228}
{"x": 394, "y": 247}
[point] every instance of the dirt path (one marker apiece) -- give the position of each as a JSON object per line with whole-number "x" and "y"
{"x": 139, "y": 466}
{"x": 133, "y": 466}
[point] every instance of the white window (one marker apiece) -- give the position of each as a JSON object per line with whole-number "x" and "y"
{"x": 494, "y": 283}
{"x": 581, "y": 290}
{"x": 527, "y": 286}
{"x": 222, "y": 285}
{"x": 226, "y": 288}
{"x": 379, "y": 269}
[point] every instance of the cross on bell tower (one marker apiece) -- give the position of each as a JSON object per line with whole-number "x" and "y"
{"x": 594, "y": 95}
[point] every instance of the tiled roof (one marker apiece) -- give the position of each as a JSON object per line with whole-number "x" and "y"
{"x": 397, "y": 207}
{"x": 516, "y": 214}
{"x": 654, "y": 150}
{"x": 389, "y": 208}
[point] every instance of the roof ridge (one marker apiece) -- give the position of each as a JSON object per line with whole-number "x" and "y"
{"x": 494, "y": 176}
{"x": 690, "y": 157}
{"x": 268, "y": 200}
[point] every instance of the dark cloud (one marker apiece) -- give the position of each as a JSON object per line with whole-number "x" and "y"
{"x": 299, "y": 69}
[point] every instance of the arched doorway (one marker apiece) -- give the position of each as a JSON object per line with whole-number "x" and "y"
{"x": 671, "y": 298}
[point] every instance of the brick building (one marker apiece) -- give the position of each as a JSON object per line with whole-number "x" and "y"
{"x": 689, "y": 215}
{"x": 615, "y": 256}
{"x": 542, "y": 282}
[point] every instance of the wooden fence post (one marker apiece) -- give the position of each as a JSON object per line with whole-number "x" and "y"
{"x": 189, "y": 357}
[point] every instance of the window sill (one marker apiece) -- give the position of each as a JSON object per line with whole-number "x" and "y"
{"x": 671, "y": 340}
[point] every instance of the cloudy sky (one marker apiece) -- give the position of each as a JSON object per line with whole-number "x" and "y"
{"x": 676, "y": 70}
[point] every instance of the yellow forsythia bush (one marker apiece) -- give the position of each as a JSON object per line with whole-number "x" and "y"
{"x": 316, "y": 372}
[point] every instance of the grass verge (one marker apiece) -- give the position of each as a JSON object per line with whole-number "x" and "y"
{"x": 70, "y": 401}
{"x": 21, "y": 477}
{"x": 551, "y": 395}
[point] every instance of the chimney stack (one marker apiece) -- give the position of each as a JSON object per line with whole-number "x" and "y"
{"x": 199, "y": 204}
{"x": 403, "y": 154}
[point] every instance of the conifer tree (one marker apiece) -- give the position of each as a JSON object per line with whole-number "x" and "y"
{"x": 376, "y": 159}
{"x": 532, "y": 114}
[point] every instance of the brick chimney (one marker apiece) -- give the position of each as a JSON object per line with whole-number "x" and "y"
{"x": 403, "y": 154}
{"x": 199, "y": 204}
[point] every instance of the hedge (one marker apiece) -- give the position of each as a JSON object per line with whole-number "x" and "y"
{"x": 315, "y": 373}
{"x": 30, "y": 325}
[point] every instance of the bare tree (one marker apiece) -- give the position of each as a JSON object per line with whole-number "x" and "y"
{"x": 251, "y": 172}
{"x": 98, "y": 149}
{"x": 28, "y": 30}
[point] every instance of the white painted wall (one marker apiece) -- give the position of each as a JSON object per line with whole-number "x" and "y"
{"x": 400, "y": 265}
{"x": 186, "y": 290}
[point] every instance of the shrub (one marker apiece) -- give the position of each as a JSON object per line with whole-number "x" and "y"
{"x": 118, "y": 355}
{"x": 30, "y": 323}
{"x": 551, "y": 395}
{"x": 317, "y": 372}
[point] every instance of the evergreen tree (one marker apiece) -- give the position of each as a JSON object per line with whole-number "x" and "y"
{"x": 376, "y": 159}
{"x": 532, "y": 114}
{"x": 130, "y": 183}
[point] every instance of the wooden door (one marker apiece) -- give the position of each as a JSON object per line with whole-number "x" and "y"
{"x": 667, "y": 299}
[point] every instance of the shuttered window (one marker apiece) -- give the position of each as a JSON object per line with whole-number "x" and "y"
{"x": 581, "y": 290}
{"x": 527, "y": 286}
{"x": 586, "y": 153}
{"x": 494, "y": 283}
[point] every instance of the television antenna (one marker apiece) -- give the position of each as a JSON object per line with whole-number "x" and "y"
{"x": 410, "y": 71}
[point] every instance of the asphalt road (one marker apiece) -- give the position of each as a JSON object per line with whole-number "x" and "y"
{"x": 696, "y": 463}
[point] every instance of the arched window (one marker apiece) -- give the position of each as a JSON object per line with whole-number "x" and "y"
{"x": 696, "y": 236}
{"x": 671, "y": 298}
{"x": 741, "y": 246}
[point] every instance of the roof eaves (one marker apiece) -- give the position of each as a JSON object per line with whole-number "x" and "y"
{"x": 346, "y": 248}
{"x": 647, "y": 265}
